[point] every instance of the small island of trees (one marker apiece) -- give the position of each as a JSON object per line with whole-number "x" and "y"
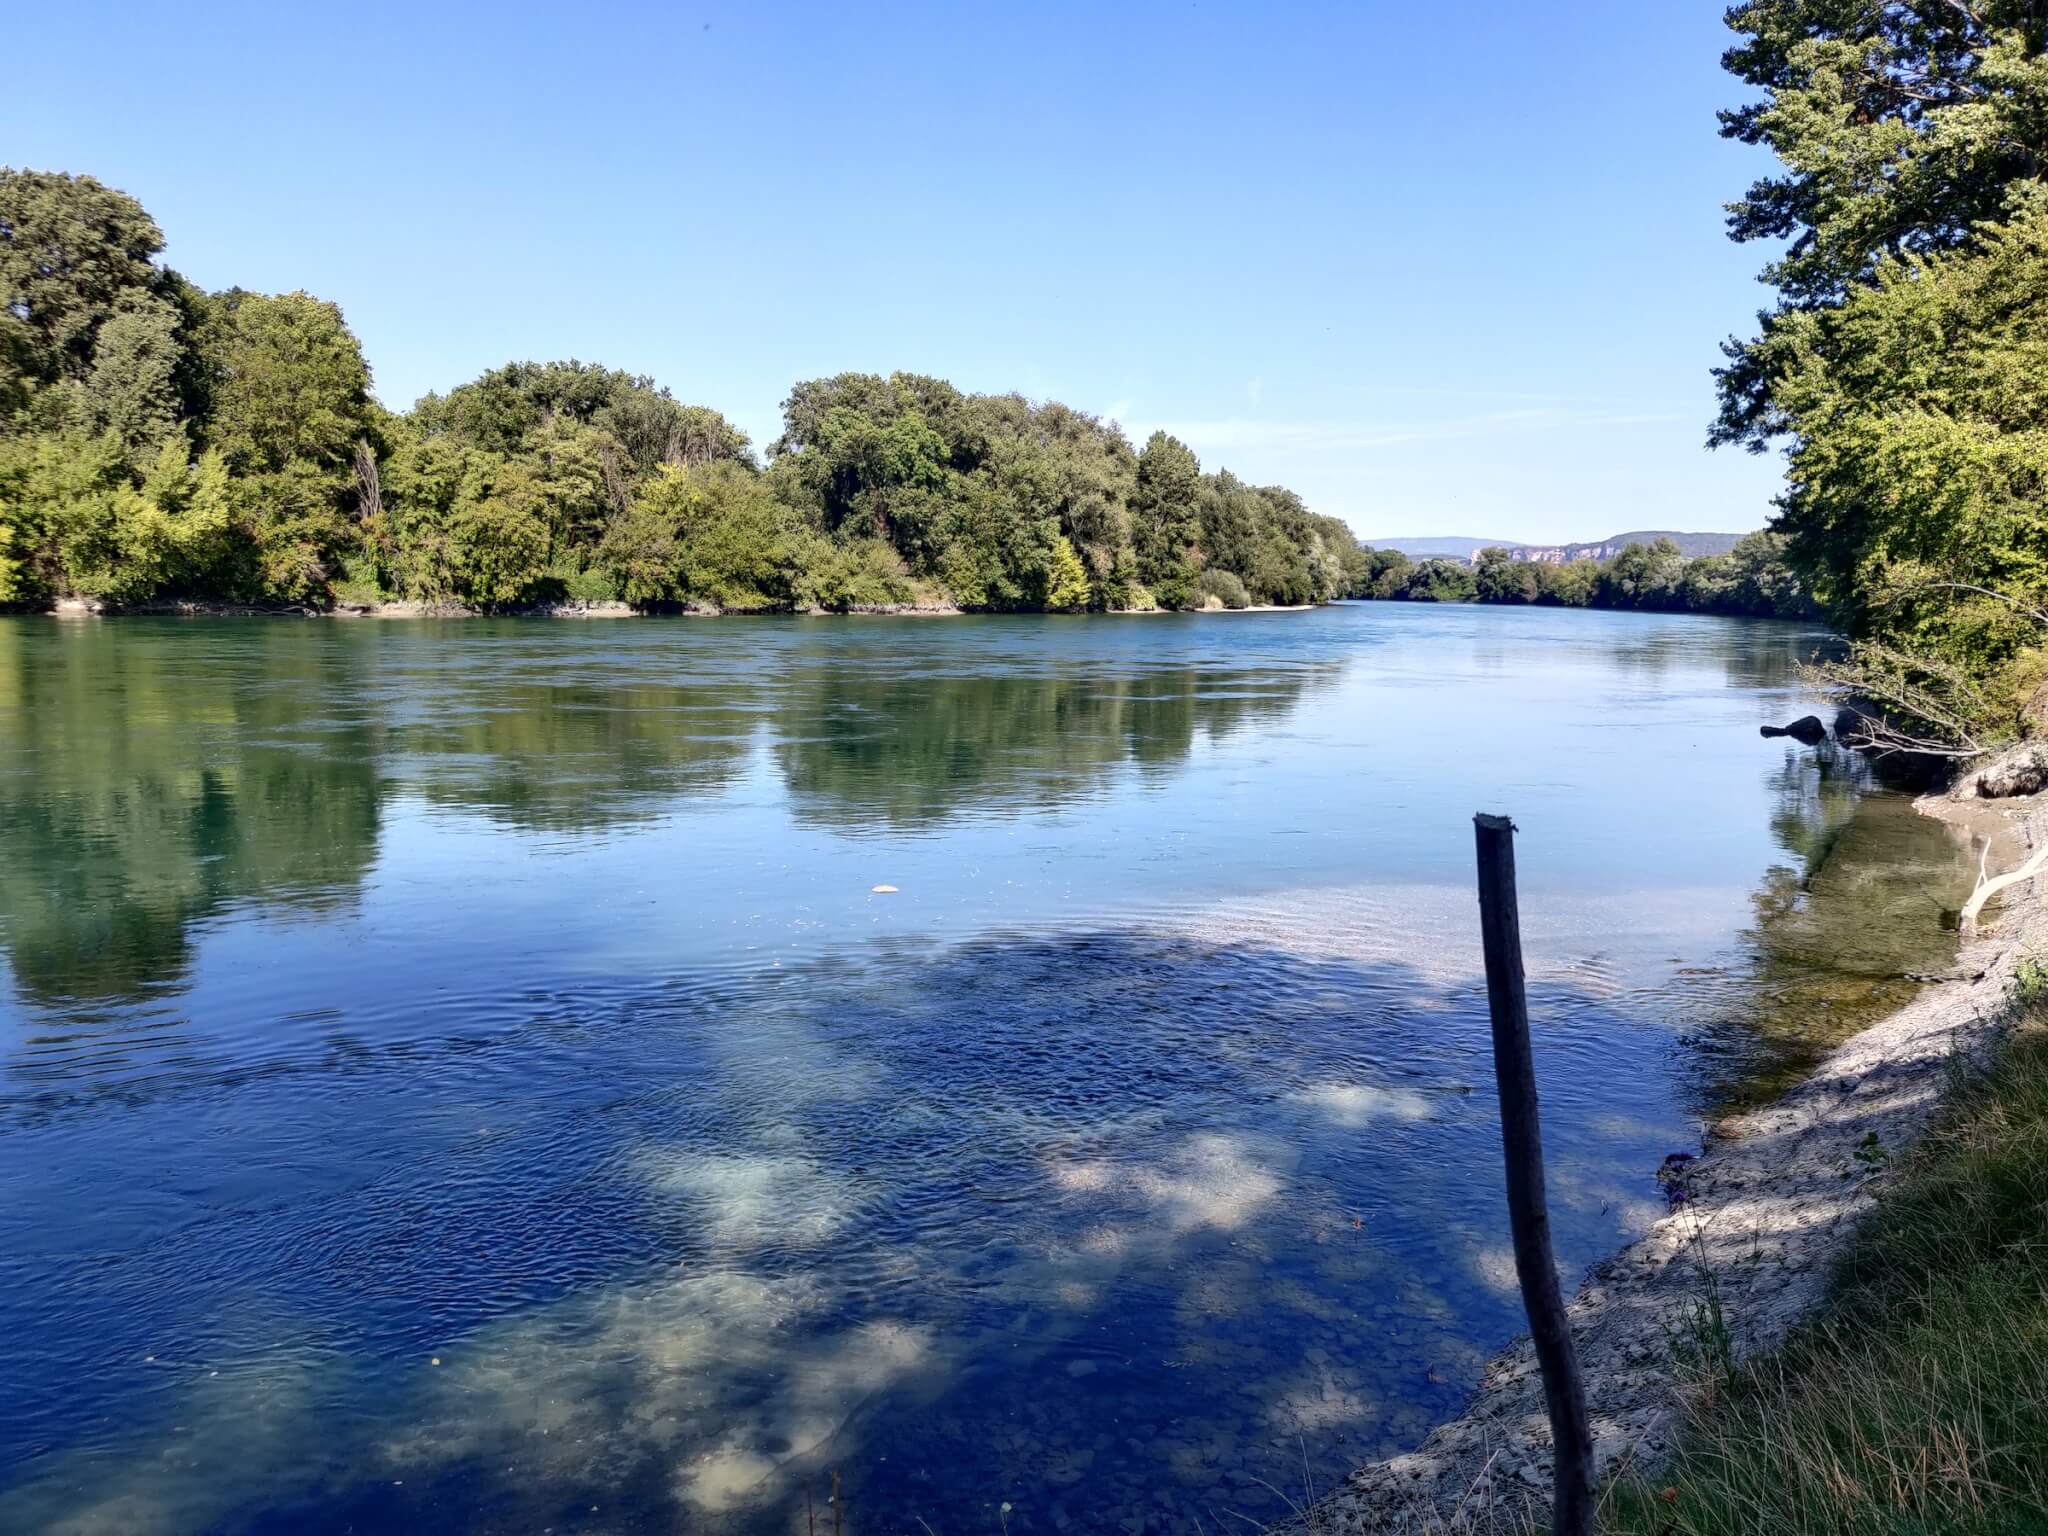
{"x": 159, "y": 441}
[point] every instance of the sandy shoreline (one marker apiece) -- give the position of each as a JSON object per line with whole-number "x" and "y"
{"x": 1774, "y": 1197}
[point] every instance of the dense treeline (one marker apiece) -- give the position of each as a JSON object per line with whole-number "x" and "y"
{"x": 159, "y": 441}
{"x": 1904, "y": 367}
{"x": 1753, "y": 580}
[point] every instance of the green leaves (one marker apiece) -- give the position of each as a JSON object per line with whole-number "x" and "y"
{"x": 288, "y": 382}
{"x": 1066, "y": 580}
{"x": 1905, "y": 128}
{"x": 712, "y": 533}
{"x": 990, "y": 497}
{"x": 1919, "y": 466}
{"x": 1906, "y": 364}
{"x": 71, "y": 252}
{"x": 132, "y": 388}
{"x": 539, "y": 482}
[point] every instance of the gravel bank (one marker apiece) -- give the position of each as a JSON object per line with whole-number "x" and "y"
{"x": 1774, "y": 1196}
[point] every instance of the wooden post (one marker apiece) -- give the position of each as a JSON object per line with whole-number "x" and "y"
{"x": 1521, "y": 1134}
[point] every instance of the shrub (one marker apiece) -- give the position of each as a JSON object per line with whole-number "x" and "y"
{"x": 1225, "y": 587}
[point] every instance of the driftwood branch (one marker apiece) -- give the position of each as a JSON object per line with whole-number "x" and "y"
{"x": 1986, "y": 889}
{"x": 1521, "y": 1134}
{"x": 1881, "y": 738}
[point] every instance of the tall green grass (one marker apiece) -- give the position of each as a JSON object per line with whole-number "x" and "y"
{"x": 1917, "y": 1403}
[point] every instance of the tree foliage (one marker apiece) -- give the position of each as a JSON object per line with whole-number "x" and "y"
{"x": 158, "y": 441}
{"x": 72, "y": 254}
{"x": 1901, "y": 367}
{"x": 1754, "y": 580}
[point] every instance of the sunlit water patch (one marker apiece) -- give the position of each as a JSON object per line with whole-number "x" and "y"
{"x": 461, "y": 1077}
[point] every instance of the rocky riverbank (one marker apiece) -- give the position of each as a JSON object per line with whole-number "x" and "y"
{"x": 1763, "y": 1211}
{"x": 80, "y": 607}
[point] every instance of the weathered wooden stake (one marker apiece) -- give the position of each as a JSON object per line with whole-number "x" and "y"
{"x": 1521, "y": 1135}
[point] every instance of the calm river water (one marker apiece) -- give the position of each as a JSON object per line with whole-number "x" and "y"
{"x": 460, "y": 1077}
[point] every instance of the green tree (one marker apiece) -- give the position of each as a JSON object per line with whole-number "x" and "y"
{"x": 863, "y": 456}
{"x": 1218, "y": 588}
{"x": 713, "y": 533}
{"x": 498, "y": 542}
{"x": 1342, "y": 566}
{"x": 1765, "y": 583}
{"x": 1066, "y": 581}
{"x": 1918, "y": 410}
{"x": 290, "y": 396}
{"x": 1439, "y": 581}
{"x": 1386, "y": 572}
{"x": 1567, "y": 584}
{"x": 835, "y": 576}
{"x": 1898, "y": 363}
{"x": 1230, "y": 523}
{"x": 1641, "y": 576}
{"x": 57, "y": 497}
{"x": 500, "y": 410}
{"x": 166, "y": 535}
{"x": 1500, "y": 578}
{"x": 288, "y": 382}
{"x": 1903, "y": 128}
{"x": 425, "y": 482}
{"x": 133, "y": 387}
{"x": 72, "y": 252}
{"x": 1091, "y": 473}
{"x": 1166, "y": 500}
{"x": 581, "y": 481}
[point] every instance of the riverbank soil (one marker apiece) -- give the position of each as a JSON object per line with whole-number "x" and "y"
{"x": 1916, "y": 1401}
{"x": 1761, "y": 1359}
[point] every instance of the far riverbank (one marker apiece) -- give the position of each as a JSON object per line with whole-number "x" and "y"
{"x": 88, "y": 608}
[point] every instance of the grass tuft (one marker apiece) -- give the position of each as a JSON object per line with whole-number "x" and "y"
{"x": 1918, "y": 1401}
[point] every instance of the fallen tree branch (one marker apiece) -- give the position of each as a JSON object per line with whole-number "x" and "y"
{"x": 1963, "y": 586}
{"x": 1986, "y": 889}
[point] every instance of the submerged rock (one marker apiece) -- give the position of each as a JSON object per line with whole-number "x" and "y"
{"x": 1807, "y": 729}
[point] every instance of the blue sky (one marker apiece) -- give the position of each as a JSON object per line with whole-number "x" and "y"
{"x": 1442, "y": 270}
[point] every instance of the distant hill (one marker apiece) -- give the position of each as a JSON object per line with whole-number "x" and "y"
{"x": 1458, "y": 547}
{"x": 1450, "y": 547}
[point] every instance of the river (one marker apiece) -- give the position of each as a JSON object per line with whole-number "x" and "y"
{"x": 465, "y": 1077}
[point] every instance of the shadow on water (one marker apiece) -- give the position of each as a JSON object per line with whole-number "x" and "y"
{"x": 1107, "y": 1225}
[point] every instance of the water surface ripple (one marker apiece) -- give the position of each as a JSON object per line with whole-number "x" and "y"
{"x": 460, "y": 1076}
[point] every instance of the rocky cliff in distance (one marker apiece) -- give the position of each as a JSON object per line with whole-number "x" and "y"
{"x": 1460, "y": 547}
